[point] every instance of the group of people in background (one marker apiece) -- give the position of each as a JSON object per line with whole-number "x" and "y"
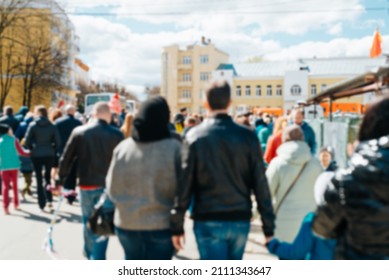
{"x": 152, "y": 170}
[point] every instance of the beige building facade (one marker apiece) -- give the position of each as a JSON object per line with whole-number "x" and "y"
{"x": 267, "y": 84}
{"x": 187, "y": 72}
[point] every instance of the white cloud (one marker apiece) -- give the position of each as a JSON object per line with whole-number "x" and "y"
{"x": 117, "y": 53}
{"x": 335, "y": 29}
{"x": 334, "y": 48}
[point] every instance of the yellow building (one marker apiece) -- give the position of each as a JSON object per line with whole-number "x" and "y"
{"x": 267, "y": 84}
{"x": 43, "y": 32}
{"x": 281, "y": 84}
{"x": 186, "y": 74}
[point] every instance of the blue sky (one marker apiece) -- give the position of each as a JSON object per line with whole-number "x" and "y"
{"x": 121, "y": 40}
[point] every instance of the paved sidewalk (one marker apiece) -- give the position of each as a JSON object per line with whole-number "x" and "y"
{"x": 23, "y": 234}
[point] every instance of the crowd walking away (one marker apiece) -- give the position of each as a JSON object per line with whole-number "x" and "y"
{"x": 141, "y": 176}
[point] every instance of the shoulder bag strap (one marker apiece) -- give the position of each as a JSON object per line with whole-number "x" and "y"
{"x": 290, "y": 187}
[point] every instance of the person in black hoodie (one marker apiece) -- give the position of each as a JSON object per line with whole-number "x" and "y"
{"x": 43, "y": 139}
{"x": 356, "y": 201}
{"x": 65, "y": 126}
{"x": 9, "y": 119}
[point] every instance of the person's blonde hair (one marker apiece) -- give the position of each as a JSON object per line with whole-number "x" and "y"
{"x": 126, "y": 128}
{"x": 279, "y": 125}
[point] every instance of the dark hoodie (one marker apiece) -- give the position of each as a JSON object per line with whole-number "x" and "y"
{"x": 42, "y": 138}
{"x": 22, "y": 113}
{"x": 152, "y": 121}
{"x": 355, "y": 211}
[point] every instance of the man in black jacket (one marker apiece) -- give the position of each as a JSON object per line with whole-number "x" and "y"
{"x": 92, "y": 146}
{"x": 223, "y": 166}
{"x": 65, "y": 126}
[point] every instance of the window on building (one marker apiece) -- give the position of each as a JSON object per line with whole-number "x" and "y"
{"x": 313, "y": 90}
{"x": 295, "y": 90}
{"x": 202, "y": 94}
{"x": 258, "y": 91}
{"x": 238, "y": 91}
{"x": 204, "y": 59}
{"x": 187, "y": 77}
{"x": 279, "y": 90}
{"x": 323, "y": 87}
{"x": 186, "y": 94}
{"x": 204, "y": 76}
{"x": 187, "y": 60}
{"x": 248, "y": 91}
{"x": 269, "y": 90}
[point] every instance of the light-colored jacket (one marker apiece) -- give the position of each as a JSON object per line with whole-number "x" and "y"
{"x": 141, "y": 182}
{"x": 282, "y": 171}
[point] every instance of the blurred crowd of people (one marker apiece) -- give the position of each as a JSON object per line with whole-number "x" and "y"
{"x": 154, "y": 167}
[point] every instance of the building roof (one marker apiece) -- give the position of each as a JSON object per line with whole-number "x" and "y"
{"x": 227, "y": 67}
{"x": 349, "y": 66}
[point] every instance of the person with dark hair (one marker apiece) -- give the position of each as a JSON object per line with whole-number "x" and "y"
{"x": 91, "y": 146}
{"x": 141, "y": 182}
{"x": 223, "y": 166}
{"x": 327, "y": 158}
{"x": 355, "y": 208}
{"x": 189, "y": 124}
{"x": 309, "y": 135}
{"x": 65, "y": 126}
{"x": 9, "y": 119}
{"x": 22, "y": 113}
{"x": 292, "y": 175}
{"x": 43, "y": 139}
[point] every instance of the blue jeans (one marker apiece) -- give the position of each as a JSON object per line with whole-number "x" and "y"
{"x": 95, "y": 246}
{"x": 146, "y": 245}
{"x": 221, "y": 240}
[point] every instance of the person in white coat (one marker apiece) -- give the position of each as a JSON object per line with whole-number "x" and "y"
{"x": 292, "y": 175}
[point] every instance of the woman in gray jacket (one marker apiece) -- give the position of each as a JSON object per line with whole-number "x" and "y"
{"x": 141, "y": 182}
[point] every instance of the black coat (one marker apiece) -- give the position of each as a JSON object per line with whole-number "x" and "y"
{"x": 65, "y": 127}
{"x": 11, "y": 121}
{"x": 92, "y": 146}
{"x": 42, "y": 138}
{"x": 223, "y": 166}
{"x": 356, "y": 207}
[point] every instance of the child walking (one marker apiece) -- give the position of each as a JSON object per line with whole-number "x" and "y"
{"x": 10, "y": 149}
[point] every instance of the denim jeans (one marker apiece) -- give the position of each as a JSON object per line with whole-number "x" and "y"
{"x": 95, "y": 246}
{"x": 221, "y": 240}
{"x": 146, "y": 245}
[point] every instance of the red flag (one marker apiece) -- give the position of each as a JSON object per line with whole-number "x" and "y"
{"x": 61, "y": 103}
{"x": 376, "y": 49}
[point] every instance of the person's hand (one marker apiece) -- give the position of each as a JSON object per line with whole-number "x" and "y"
{"x": 178, "y": 241}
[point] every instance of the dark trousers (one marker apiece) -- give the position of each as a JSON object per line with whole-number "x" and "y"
{"x": 71, "y": 181}
{"x": 40, "y": 163}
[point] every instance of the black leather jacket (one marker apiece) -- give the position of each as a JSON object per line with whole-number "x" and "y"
{"x": 222, "y": 167}
{"x": 42, "y": 138}
{"x": 356, "y": 208}
{"x": 92, "y": 145}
